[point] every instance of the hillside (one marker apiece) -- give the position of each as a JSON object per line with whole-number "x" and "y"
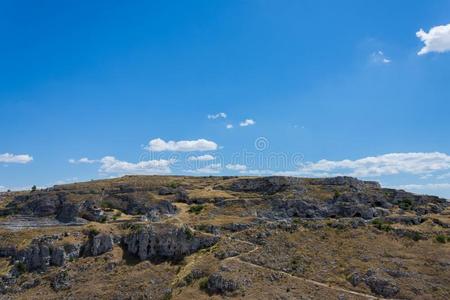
{"x": 176, "y": 237}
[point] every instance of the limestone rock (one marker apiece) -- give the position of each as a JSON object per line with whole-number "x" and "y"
{"x": 218, "y": 284}
{"x": 160, "y": 242}
{"x": 98, "y": 244}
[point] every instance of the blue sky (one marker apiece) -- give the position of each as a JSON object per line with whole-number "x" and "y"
{"x": 325, "y": 88}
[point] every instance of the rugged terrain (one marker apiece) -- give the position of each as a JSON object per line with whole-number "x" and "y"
{"x": 173, "y": 237}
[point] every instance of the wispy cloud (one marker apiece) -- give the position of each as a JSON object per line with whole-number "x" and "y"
{"x": 236, "y": 167}
{"x": 436, "y": 40}
{"x": 109, "y": 164}
{"x": 229, "y": 126}
{"x": 158, "y": 145}
{"x": 15, "y": 158}
{"x": 206, "y": 157}
{"x": 220, "y": 115}
{"x": 83, "y": 160}
{"x": 427, "y": 186}
{"x": 380, "y": 57}
{"x": 209, "y": 169}
{"x": 387, "y": 164}
{"x": 247, "y": 122}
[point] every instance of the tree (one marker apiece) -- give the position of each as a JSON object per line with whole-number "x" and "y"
{"x": 33, "y": 188}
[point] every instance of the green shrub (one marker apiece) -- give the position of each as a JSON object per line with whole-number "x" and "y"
{"x": 416, "y": 236}
{"x": 93, "y": 231}
{"x": 405, "y": 204}
{"x": 382, "y": 225}
{"x": 132, "y": 226}
{"x": 440, "y": 238}
{"x": 196, "y": 209}
{"x": 173, "y": 185}
{"x": 203, "y": 283}
{"x": 21, "y": 267}
{"x": 188, "y": 233}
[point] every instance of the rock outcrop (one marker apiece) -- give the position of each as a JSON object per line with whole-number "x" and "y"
{"x": 42, "y": 253}
{"x": 160, "y": 242}
{"x": 218, "y": 284}
{"x": 97, "y": 244}
{"x": 378, "y": 283}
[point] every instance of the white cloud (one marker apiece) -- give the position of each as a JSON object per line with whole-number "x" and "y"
{"x": 83, "y": 160}
{"x": 387, "y": 164}
{"x": 379, "y": 57}
{"x": 247, "y": 122}
{"x": 210, "y": 169}
{"x": 15, "y": 159}
{"x": 436, "y": 40}
{"x": 229, "y": 126}
{"x": 205, "y": 157}
{"x": 3, "y": 188}
{"x": 257, "y": 172}
{"x": 427, "y": 186}
{"x": 443, "y": 176}
{"x": 159, "y": 145}
{"x": 110, "y": 164}
{"x": 236, "y": 167}
{"x": 217, "y": 116}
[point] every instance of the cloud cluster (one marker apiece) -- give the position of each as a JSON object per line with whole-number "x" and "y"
{"x": 159, "y": 145}
{"x": 218, "y": 116}
{"x": 206, "y": 157}
{"x": 247, "y": 122}
{"x": 436, "y": 40}
{"x": 109, "y": 164}
{"x": 15, "y": 158}
{"x": 387, "y": 164}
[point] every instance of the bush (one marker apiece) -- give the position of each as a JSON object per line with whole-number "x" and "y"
{"x": 188, "y": 233}
{"x": 173, "y": 185}
{"x": 416, "y": 236}
{"x": 196, "y": 209}
{"x": 132, "y": 226}
{"x": 440, "y": 238}
{"x": 92, "y": 232}
{"x": 203, "y": 283}
{"x": 405, "y": 204}
{"x": 21, "y": 267}
{"x": 382, "y": 225}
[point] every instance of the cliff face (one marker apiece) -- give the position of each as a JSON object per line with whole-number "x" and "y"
{"x": 163, "y": 242}
{"x": 255, "y": 237}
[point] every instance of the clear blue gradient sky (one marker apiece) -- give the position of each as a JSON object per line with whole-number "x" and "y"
{"x": 338, "y": 81}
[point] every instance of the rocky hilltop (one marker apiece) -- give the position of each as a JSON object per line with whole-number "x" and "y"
{"x": 175, "y": 237}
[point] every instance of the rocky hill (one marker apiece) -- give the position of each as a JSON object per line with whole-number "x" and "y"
{"x": 174, "y": 237}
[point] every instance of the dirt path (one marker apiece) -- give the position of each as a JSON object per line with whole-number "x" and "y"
{"x": 317, "y": 283}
